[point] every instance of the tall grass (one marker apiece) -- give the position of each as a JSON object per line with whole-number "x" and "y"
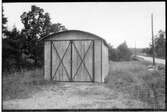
{"x": 134, "y": 78}
{"x": 21, "y": 84}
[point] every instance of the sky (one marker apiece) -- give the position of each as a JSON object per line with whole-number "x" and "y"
{"x": 115, "y": 22}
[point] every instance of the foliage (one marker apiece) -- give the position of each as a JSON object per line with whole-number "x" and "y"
{"x": 57, "y": 28}
{"x": 159, "y": 45}
{"x": 113, "y": 55}
{"x": 147, "y": 51}
{"x": 136, "y": 50}
{"x": 4, "y": 21}
{"x": 160, "y": 42}
{"x": 124, "y": 52}
{"x": 12, "y": 48}
{"x": 22, "y": 49}
{"x": 121, "y": 53}
{"x": 36, "y": 24}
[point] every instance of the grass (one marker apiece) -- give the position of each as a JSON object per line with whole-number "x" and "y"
{"x": 22, "y": 84}
{"x": 131, "y": 77}
{"x": 134, "y": 79}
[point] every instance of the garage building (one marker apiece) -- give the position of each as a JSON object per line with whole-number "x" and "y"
{"x": 75, "y": 55}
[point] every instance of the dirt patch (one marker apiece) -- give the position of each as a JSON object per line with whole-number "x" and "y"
{"x": 74, "y": 96}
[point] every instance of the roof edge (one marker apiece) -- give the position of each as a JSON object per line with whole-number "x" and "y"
{"x": 56, "y": 33}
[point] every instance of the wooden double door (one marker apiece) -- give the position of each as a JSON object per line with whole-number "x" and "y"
{"x": 72, "y": 60}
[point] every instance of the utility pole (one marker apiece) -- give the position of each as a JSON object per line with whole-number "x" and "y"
{"x": 152, "y": 40}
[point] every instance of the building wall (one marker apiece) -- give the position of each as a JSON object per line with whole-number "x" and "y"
{"x": 97, "y": 60}
{"x": 105, "y": 62}
{"x": 47, "y": 60}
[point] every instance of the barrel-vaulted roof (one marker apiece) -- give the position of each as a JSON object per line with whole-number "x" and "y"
{"x": 71, "y": 32}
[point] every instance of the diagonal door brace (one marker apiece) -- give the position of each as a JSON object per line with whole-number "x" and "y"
{"x": 82, "y": 61}
{"x": 61, "y": 61}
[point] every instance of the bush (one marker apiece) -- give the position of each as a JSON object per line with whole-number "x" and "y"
{"x": 113, "y": 55}
{"x": 121, "y": 53}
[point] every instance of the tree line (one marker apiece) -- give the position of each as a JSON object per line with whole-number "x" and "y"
{"x": 22, "y": 49}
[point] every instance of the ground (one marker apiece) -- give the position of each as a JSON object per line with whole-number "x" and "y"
{"x": 74, "y": 96}
{"x": 128, "y": 85}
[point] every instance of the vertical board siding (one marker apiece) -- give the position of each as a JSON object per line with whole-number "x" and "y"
{"x": 93, "y": 59}
{"x": 89, "y": 60}
{"x": 105, "y": 62}
{"x": 82, "y": 74}
{"x": 81, "y": 50}
{"x": 76, "y": 60}
{"x": 62, "y": 73}
{"x": 97, "y": 62}
{"x": 47, "y": 60}
{"x": 97, "y": 48}
{"x": 51, "y": 60}
{"x": 101, "y": 63}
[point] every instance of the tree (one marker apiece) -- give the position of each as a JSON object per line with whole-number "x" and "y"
{"x": 57, "y": 28}
{"x": 113, "y": 53}
{"x": 160, "y": 48}
{"x": 4, "y": 21}
{"x": 160, "y": 42}
{"x": 123, "y": 52}
{"x": 36, "y": 25}
{"x": 147, "y": 51}
{"x": 12, "y": 47}
{"x": 36, "y": 22}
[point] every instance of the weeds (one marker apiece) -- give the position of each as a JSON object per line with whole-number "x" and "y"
{"x": 134, "y": 78}
{"x": 21, "y": 84}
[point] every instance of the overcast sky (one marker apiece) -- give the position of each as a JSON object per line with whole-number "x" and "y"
{"x": 116, "y": 22}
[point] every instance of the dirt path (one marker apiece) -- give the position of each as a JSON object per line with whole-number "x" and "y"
{"x": 74, "y": 96}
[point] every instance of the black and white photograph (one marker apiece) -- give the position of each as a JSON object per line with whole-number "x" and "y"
{"x": 83, "y": 55}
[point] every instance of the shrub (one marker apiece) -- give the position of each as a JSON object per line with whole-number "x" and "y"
{"x": 121, "y": 53}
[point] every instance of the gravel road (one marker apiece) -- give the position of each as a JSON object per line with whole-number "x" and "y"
{"x": 74, "y": 96}
{"x": 150, "y": 59}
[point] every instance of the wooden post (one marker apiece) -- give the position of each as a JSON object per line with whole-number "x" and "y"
{"x": 153, "y": 52}
{"x": 51, "y": 60}
{"x": 71, "y": 61}
{"x": 93, "y": 63}
{"x": 101, "y": 61}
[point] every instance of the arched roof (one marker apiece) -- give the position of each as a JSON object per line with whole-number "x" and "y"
{"x": 67, "y": 32}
